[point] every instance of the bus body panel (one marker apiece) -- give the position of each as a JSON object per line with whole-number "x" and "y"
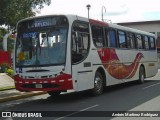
{"x": 122, "y": 68}
{"x": 119, "y": 65}
{"x": 82, "y": 72}
{"x": 45, "y": 78}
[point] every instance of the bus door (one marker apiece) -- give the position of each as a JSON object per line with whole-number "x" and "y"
{"x": 81, "y": 62}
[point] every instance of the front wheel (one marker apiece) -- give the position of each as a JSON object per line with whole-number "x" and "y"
{"x": 141, "y": 75}
{"x": 98, "y": 84}
{"x": 54, "y": 93}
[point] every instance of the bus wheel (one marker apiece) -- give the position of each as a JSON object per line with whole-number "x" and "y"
{"x": 54, "y": 93}
{"x": 98, "y": 84}
{"x": 141, "y": 75}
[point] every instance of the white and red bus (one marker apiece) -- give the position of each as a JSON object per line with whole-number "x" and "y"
{"x": 57, "y": 53}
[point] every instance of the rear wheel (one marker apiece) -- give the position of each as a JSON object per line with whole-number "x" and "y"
{"x": 54, "y": 93}
{"x": 98, "y": 84}
{"x": 141, "y": 75}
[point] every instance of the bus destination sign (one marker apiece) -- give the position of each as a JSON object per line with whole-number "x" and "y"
{"x": 43, "y": 22}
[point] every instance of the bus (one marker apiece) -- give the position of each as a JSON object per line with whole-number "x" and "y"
{"x": 60, "y": 53}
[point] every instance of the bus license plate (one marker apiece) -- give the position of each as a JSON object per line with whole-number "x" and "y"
{"x": 38, "y": 85}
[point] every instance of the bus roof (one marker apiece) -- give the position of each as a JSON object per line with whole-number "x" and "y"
{"x": 130, "y": 29}
{"x": 95, "y": 22}
{"x": 115, "y": 26}
{"x": 68, "y": 16}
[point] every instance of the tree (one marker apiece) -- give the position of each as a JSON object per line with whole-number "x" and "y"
{"x": 11, "y": 11}
{"x": 3, "y": 5}
{"x": 3, "y": 31}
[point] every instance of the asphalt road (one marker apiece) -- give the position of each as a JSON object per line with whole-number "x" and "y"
{"x": 125, "y": 97}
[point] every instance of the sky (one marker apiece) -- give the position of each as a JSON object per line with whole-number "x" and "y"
{"x": 114, "y": 11}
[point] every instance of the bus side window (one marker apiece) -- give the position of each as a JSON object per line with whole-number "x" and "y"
{"x": 98, "y": 36}
{"x": 139, "y": 41}
{"x": 80, "y": 41}
{"x": 146, "y": 44}
{"x": 122, "y": 39}
{"x": 106, "y": 37}
{"x": 112, "y": 38}
{"x": 131, "y": 40}
{"x": 152, "y": 43}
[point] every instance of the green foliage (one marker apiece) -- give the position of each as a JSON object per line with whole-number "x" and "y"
{"x": 3, "y": 31}
{"x": 10, "y": 44}
{"x": 1, "y": 46}
{"x": 5, "y": 68}
{"x": 11, "y": 11}
{"x": 10, "y": 72}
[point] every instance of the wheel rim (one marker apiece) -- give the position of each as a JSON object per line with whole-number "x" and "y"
{"x": 142, "y": 75}
{"x": 98, "y": 83}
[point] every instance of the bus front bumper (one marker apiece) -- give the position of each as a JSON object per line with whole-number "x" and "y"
{"x": 59, "y": 83}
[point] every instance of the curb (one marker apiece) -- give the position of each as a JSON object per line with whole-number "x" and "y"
{"x": 7, "y": 88}
{"x": 16, "y": 97}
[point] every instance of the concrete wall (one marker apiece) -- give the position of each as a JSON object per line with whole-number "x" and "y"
{"x": 146, "y": 27}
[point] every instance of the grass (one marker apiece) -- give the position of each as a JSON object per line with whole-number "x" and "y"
{"x": 7, "y": 88}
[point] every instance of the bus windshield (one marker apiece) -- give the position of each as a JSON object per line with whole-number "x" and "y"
{"x": 41, "y": 47}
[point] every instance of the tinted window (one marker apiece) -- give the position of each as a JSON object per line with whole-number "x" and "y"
{"x": 112, "y": 38}
{"x": 42, "y": 23}
{"x": 131, "y": 40}
{"x": 139, "y": 41}
{"x": 106, "y": 37}
{"x": 146, "y": 44}
{"x": 98, "y": 36}
{"x": 80, "y": 41}
{"x": 122, "y": 39}
{"x": 152, "y": 43}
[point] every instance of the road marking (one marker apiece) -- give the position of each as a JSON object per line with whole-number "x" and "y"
{"x": 150, "y": 86}
{"x": 76, "y": 112}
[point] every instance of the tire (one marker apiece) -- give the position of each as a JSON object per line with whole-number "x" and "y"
{"x": 54, "y": 93}
{"x": 98, "y": 84}
{"x": 141, "y": 75}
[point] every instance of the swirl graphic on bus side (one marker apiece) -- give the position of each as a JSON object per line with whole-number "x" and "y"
{"x": 117, "y": 68}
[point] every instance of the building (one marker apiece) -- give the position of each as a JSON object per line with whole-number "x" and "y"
{"x": 148, "y": 26}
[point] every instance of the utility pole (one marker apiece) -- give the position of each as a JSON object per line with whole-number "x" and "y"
{"x": 102, "y": 12}
{"x": 88, "y": 7}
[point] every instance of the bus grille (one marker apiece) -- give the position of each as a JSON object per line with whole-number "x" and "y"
{"x": 45, "y": 85}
